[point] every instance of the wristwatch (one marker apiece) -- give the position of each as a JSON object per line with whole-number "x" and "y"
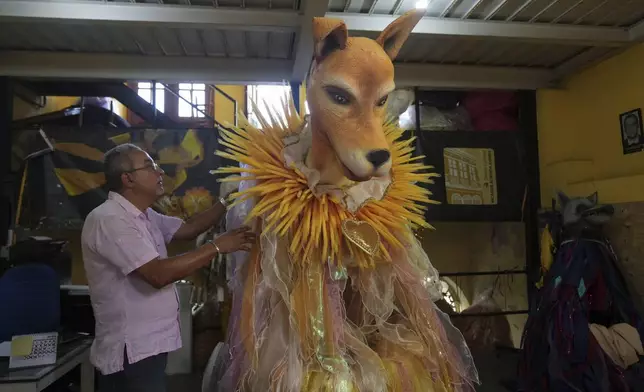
{"x": 223, "y": 202}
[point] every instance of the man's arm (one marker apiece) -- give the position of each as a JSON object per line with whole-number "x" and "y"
{"x": 201, "y": 222}
{"x": 122, "y": 243}
{"x": 161, "y": 272}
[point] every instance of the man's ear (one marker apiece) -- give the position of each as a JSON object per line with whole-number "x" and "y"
{"x": 394, "y": 36}
{"x": 126, "y": 180}
{"x": 329, "y": 35}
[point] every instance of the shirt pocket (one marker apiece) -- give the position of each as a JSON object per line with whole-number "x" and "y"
{"x": 157, "y": 238}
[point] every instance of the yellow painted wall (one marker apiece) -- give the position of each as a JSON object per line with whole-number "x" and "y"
{"x": 580, "y": 146}
{"x": 482, "y": 246}
{"x": 224, "y": 109}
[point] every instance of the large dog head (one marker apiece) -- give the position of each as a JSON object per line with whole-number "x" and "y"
{"x": 583, "y": 212}
{"x": 347, "y": 91}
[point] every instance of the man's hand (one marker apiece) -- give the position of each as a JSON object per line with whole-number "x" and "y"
{"x": 201, "y": 222}
{"x": 234, "y": 240}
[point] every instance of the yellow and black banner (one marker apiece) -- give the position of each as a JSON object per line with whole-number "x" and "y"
{"x": 72, "y": 175}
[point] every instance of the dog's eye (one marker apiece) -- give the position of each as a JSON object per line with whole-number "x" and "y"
{"x": 382, "y": 101}
{"x": 338, "y": 96}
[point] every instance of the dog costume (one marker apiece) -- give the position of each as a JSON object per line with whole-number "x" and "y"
{"x": 337, "y": 294}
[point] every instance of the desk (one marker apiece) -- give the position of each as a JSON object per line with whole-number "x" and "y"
{"x": 37, "y": 379}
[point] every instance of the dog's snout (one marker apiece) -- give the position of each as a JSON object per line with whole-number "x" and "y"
{"x": 378, "y": 157}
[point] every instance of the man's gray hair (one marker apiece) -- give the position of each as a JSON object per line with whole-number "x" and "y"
{"x": 116, "y": 162}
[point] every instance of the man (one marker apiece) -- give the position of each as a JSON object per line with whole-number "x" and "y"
{"x": 631, "y": 129}
{"x": 130, "y": 276}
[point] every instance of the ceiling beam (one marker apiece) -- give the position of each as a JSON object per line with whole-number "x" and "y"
{"x": 584, "y": 60}
{"x": 86, "y": 12}
{"x": 636, "y": 32}
{"x": 472, "y": 77}
{"x": 82, "y": 12}
{"x": 134, "y": 67}
{"x": 248, "y": 71}
{"x": 304, "y": 50}
{"x": 540, "y": 32}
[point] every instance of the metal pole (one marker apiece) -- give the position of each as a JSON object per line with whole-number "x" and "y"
{"x": 111, "y": 110}
{"x": 82, "y": 109}
{"x": 488, "y": 314}
{"x": 483, "y": 273}
{"x": 154, "y": 102}
{"x": 528, "y": 123}
{"x": 6, "y": 117}
{"x": 295, "y": 92}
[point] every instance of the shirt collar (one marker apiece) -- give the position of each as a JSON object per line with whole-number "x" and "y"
{"x": 125, "y": 203}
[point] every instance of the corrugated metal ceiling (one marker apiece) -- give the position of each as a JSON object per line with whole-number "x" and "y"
{"x": 151, "y": 41}
{"x": 250, "y": 4}
{"x": 622, "y": 13}
{"x": 148, "y": 40}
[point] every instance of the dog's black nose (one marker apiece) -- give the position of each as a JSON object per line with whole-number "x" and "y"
{"x": 378, "y": 157}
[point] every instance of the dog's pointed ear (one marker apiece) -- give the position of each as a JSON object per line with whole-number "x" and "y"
{"x": 562, "y": 198}
{"x": 394, "y": 36}
{"x": 329, "y": 35}
{"x": 594, "y": 198}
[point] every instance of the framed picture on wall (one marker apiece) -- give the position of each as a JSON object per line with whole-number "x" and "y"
{"x": 483, "y": 175}
{"x": 631, "y": 131}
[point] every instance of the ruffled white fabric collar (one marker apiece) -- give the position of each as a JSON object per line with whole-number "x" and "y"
{"x": 352, "y": 197}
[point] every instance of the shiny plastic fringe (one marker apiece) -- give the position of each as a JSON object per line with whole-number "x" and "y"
{"x": 315, "y": 325}
{"x": 290, "y": 207}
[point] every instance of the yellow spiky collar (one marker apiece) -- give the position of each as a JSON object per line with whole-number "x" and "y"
{"x": 313, "y": 221}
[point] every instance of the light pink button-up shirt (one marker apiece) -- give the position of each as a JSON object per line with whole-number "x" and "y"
{"x": 130, "y": 314}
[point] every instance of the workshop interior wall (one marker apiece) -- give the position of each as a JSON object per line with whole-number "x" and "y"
{"x": 483, "y": 246}
{"x": 580, "y": 151}
{"x": 580, "y": 143}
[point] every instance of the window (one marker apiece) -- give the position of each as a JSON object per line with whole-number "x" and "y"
{"x": 193, "y": 100}
{"x": 407, "y": 120}
{"x": 263, "y": 95}
{"x": 144, "y": 89}
{"x": 474, "y": 181}
{"x": 453, "y": 172}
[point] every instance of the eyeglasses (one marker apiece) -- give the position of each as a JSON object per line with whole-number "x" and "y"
{"x": 152, "y": 166}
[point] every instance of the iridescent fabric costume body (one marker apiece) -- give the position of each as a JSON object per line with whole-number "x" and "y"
{"x": 338, "y": 294}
